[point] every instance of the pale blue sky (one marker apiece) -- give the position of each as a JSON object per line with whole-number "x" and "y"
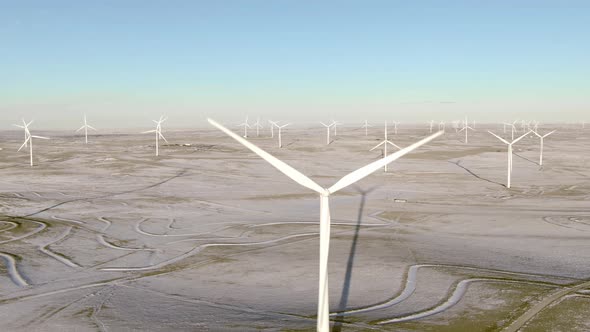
{"x": 124, "y": 62}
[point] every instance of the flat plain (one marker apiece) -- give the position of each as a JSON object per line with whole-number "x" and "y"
{"x": 209, "y": 237}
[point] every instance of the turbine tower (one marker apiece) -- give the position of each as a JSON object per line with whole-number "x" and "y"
{"x": 323, "y": 318}
{"x": 158, "y": 132}
{"x": 86, "y": 126}
{"x": 384, "y": 143}
{"x": 29, "y": 139}
{"x": 509, "y": 153}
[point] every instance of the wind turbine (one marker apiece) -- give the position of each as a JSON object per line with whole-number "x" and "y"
{"x": 384, "y": 143}
{"x": 431, "y": 125}
{"x": 246, "y": 126}
{"x": 327, "y": 131}
{"x": 85, "y": 127}
{"x": 466, "y": 127}
{"x": 272, "y": 126}
{"x": 509, "y": 153}
{"x": 366, "y": 126}
{"x": 28, "y": 138}
{"x": 441, "y": 126}
{"x": 395, "y": 127}
{"x": 158, "y": 132}
{"x": 512, "y": 128}
{"x": 336, "y": 123}
{"x": 323, "y": 320}
{"x": 541, "y": 137}
{"x": 258, "y": 126}
{"x": 280, "y": 129}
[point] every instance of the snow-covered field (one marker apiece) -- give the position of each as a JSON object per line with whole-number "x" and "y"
{"x": 209, "y": 237}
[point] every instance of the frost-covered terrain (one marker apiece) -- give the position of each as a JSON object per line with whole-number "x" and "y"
{"x": 209, "y": 237}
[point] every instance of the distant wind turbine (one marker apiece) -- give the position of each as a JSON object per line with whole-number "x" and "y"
{"x": 272, "y": 126}
{"x": 327, "y": 131}
{"x": 431, "y": 125}
{"x": 384, "y": 143}
{"x": 280, "y": 131}
{"x": 246, "y": 126}
{"x": 366, "y": 126}
{"x": 466, "y": 128}
{"x": 323, "y": 317}
{"x": 86, "y": 126}
{"x": 509, "y": 153}
{"x": 258, "y": 126}
{"x": 28, "y": 138}
{"x": 542, "y": 137}
{"x": 158, "y": 132}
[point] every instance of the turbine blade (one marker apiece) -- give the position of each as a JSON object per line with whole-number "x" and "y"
{"x": 28, "y": 124}
{"x": 372, "y": 167}
{"x": 149, "y": 131}
{"x": 378, "y": 145}
{"x": 91, "y": 127}
{"x": 19, "y": 126}
{"x": 500, "y": 138}
{"x": 281, "y": 166}
{"x": 325, "y": 125}
{"x": 394, "y": 144}
{"x": 549, "y": 133}
{"x": 25, "y": 143}
{"x": 164, "y": 138}
{"x": 41, "y": 137}
{"x": 81, "y": 128}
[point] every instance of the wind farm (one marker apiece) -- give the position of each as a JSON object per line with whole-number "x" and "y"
{"x": 403, "y": 252}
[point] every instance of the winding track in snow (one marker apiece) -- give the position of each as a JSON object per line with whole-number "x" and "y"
{"x": 13, "y": 272}
{"x": 410, "y": 286}
{"x": 452, "y": 300}
{"x": 45, "y": 249}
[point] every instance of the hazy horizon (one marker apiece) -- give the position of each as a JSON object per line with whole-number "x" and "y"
{"x": 125, "y": 63}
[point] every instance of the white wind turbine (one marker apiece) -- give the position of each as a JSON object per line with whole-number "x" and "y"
{"x": 158, "y": 132}
{"x": 366, "y": 126}
{"x": 336, "y": 124}
{"x": 512, "y": 128}
{"x": 384, "y": 143}
{"x": 258, "y": 126}
{"x": 466, "y": 128}
{"x": 29, "y": 138}
{"x": 542, "y": 137}
{"x": 323, "y": 319}
{"x": 431, "y": 125}
{"x": 509, "y": 153}
{"x": 86, "y": 126}
{"x": 327, "y": 131}
{"x": 395, "y": 127}
{"x": 272, "y": 126}
{"x": 246, "y": 126}
{"x": 280, "y": 130}
{"x": 441, "y": 126}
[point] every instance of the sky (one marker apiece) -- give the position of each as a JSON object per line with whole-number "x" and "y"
{"x": 125, "y": 62}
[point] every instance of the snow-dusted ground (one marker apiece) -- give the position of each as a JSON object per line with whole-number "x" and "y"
{"x": 210, "y": 237}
